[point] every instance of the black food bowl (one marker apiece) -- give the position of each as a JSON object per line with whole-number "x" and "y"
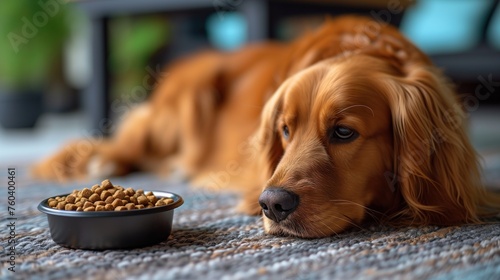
{"x": 111, "y": 229}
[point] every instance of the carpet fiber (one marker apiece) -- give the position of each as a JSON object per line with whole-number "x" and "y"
{"x": 211, "y": 241}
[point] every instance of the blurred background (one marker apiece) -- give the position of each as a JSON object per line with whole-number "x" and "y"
{"x": 70, "y": 69}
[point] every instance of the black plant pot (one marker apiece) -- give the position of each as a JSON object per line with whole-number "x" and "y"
{"x": 20, "y": 109}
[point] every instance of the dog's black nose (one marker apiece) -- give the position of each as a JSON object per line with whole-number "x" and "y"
{"x": 278, "y": 203}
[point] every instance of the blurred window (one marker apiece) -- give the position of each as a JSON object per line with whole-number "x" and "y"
{"x": 443, "y": 26}
{"x": 227, "y": 31}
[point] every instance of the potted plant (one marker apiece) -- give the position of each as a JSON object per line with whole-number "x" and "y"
{"x": 32, "y": 34}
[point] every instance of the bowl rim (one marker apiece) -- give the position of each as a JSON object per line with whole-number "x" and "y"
{"x": 178, "y": 201}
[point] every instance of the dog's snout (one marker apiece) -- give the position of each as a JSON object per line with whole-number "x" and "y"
{"x": 278, "y": 203}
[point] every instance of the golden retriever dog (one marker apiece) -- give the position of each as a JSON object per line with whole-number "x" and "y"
{"x": 346, "y": 124}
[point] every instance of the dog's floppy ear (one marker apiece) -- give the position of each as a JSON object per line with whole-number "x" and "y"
{"x": 436, "y": 167}
{"x": 267, "y": 138}
{"x": 266, "y": 151}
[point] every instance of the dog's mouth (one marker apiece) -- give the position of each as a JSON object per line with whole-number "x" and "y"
{"x": 287, "y": 228}
{"x": 307, "y": 224}
{"x": 303, "y": 228}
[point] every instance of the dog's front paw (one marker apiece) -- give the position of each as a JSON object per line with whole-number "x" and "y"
{"x": 98, "y": 167}
{"x": 68, "y": 163}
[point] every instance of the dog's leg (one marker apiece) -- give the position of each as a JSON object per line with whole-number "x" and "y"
{"x": 126, "y": 148}
{"x": 174, "y": 128}
{"x": 69, "y": 162}
{"x": 115, "y": 156}
{"x": 197, "y": 115}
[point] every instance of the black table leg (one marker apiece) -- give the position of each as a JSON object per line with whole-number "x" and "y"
{"x": 256, "y": 13}
{"x": 96, "y": 100}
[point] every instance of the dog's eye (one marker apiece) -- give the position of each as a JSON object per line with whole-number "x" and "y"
{"x": 342, "y": 134}
{"x": 286, "y": 132}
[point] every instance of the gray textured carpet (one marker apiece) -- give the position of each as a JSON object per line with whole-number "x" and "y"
{"x": 211, "y": 241}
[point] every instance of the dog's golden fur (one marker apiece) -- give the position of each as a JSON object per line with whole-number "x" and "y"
{"x": 276, "y": 114}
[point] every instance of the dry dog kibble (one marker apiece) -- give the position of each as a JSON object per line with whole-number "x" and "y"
{"x": 86, "y": 193}
{"x": 129, "y": 192}
{"x": 98, "y": 191}
{"x": 94, "y": 197}
{"x": 142, "y": 200}
{"x": 99, "y": 203}
{"x": 120, "y": 208}
{"x": 107, "y": 197}
{"x": 106, "y": 184}
{"x": 117, "y": 202}
{"x": 105, "y": 194}
{"x": 152, "y": 199}
{"x": 133, "y": 199}
{"x": 87, "y": 204}
{"x": 61, "y": 205}
{"x": 164, "y": 201}
{"x": 70, "y": 199}
{"x": 130, "y": 206}
{"x": 108, "y": 207}
{"x": 52, "y": 203}
{"x": 119, "y": 194}
{"x": 70, "y": 207}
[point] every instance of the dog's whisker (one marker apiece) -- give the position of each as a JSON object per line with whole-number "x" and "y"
{"x": 370, "y": 211}
{"x": 358, "y": 105}
{"x": 351, "y": 221}
{"x": 348, "y": 220}
{"x": 327, "y": 226}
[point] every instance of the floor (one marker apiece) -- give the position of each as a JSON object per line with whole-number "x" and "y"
{"x": 53, "y": 130}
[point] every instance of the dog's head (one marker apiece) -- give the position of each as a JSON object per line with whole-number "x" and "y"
{"x": 357, "y": 137}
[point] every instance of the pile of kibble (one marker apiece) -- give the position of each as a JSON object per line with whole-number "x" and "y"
{"x": 107, "y": 197}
